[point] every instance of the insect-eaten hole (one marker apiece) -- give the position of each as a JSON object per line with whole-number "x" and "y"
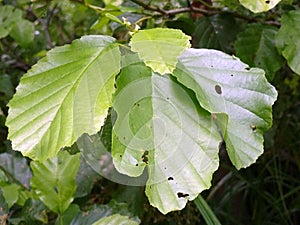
{"x": 253, "y": 127}
{"x": 182, "y": 195}
{"x": 145, "y": 157}
{"x": 137, "y": 164}
{"x": 218, "y": 89}
{"x": 267, "y": 2}
{"x": 170, "y": 178}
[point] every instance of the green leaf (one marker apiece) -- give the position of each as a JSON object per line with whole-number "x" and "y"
{"x": 160, "y": 47}
{"x": 217, "y": 32}
{"x": 8, "y": 16}
{"x": 287, "y": 40}
{"x": 23, "y": 33}
{"x": 258, "y": 6}
{"x": 207, "y": 213}
{"x": 34, "y": 210}
{"x": 256, "y": 47}
{"x": 86, "y": 177}
{"x": 163, "y": 128}
{"x": 54, "y": 180}
{"x": 68, "y": 215}
{"x": 116, "y": 219}
{"x": 226, "y": 86}
{"x": 89, "y": 217}
{"x": 4, "y": 207}
{"x": 17, "y": 168}
{"x": 11, "y": 194}
{"x": 6, "y": 86}
{"x": 64, "y": 95}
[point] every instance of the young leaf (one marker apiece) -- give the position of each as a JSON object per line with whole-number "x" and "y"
{"x": 160, "y": 47}
{"x": 163, "y": 128}
{"x": 225, "y": 85}
{"x": 287, "y": 40}
{"x": 64, "y": 95}
{"x": 54, "y": 180}
{"x": 116, "y": 219}
{"x": 256, "y": 47}
{"x": 258, "y": 6}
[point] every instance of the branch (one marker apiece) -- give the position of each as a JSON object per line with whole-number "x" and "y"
{"x": 212, "y": 11}
{"x": 149, "y": 7}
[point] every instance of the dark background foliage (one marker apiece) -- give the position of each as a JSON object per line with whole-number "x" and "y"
{"x": 265, "y": 193}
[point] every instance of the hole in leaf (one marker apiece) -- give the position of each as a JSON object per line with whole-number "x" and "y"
{"x": 247, "y": 68}
{"x": 267, "y": 2}
{"x": 182, "y": 195}
{"x": 170, "y": 178}
{"x": 120, "y": 156}
{"x": 218, "y": 89}
{"x": 231, "y": 75}
{"x": 145, "y": 157}
{"x": 137, "y": 164}
{"x": 253, "y": 127}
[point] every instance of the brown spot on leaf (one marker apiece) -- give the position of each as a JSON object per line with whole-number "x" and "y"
{"x": 218, "y": 89}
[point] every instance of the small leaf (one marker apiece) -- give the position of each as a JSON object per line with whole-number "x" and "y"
{"x": 23, "y": 33}
{"x": 89, "y": 217}
{"x": 160, "y": 47}
{"x": 287, "y": 40}
{"x": 162, "y": 128}
{"x": 256, "y": 47}
{"x": 4, "y": 207}
{"x": 116, "y": 219}
{"x": 11, "y": 194}
{"x": 64, "y": 95}
{"x": 68, "y": 215}
{"x": 258, "y": 6}
{"x": 226, "y": 86}
{"x": 8, "y": 16}
{"x": 54, "y": 180}
{"x": 34, "y": 210}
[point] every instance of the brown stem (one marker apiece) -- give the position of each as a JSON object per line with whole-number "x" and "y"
{"x": 212, "y": 11}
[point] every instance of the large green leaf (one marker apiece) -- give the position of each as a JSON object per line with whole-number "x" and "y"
{"x": 257, "y": 6}
{"x": 160, "y": 126}
{"x": 65, "y": 94}
{"x": 225, "y": 85}
{"x": 54, "y": 180}
{"x": 256, "y": 47}
{"x": 288, "y": 41}
{"x": 160, "y": 47}
{"x": 116, "y": 219}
